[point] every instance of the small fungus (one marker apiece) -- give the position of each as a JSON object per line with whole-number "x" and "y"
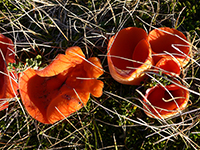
{"x": 164, "y": 102}
{"x": 129, "y": 55}
{"x": 169, "y": 66}
{"x": 8, "y": 88}
{"x": 62, "y": 88}
{"x": 167, "y": 40}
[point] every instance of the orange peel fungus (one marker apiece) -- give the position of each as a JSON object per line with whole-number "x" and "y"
{"x": 8, "y": 88}
{"x": 129, "y": 55}
{"x": 168, "y": 66}
{"x": 167, "y": 40}
{"x": 62, "y": 88}
{"x": 164, "y": 102}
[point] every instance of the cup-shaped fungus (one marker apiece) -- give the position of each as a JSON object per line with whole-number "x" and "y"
{"x": 8, "y": 88}
{"x": 165, "y": 101}
{"x": 62, "y": 88}
{"x": 169, "y": 66}
{"x": 167, "y": 40}
{"x": 129, "y": 55}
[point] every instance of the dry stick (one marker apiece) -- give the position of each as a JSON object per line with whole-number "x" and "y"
{"x": 113, "y": 14}
{"x": 115, "y": 142}
{"x": 95, "y": 12}
{"x": 122, "y": 12}
{"x": 171, "y": 99}
{"x": 117, "y": 126}
{"x": 74, "y": 25}
{"x": 25, "y": 43}
{"x": 179, "y": 14}
{"x": 85, "y": 39}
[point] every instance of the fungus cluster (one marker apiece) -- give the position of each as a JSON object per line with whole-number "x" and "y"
{"x": 64, "y": 86}
{"x": 131, "y": 53}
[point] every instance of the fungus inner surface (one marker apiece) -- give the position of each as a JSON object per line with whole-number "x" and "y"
{"x": 43, "y": 90}
{"x": 123, "y": 46}
{"x": 157, "y": 95}
{"x": 161, "y": 42}
{"x": 169, "y": 65}
{"x": 141, "y": 53}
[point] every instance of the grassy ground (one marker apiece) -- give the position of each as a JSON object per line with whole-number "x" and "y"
{"x": 41, "y": 29}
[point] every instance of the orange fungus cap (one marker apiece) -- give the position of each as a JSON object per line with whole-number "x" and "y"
{"x": 51, "y": 94}
{"x": 8, "y": 88}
